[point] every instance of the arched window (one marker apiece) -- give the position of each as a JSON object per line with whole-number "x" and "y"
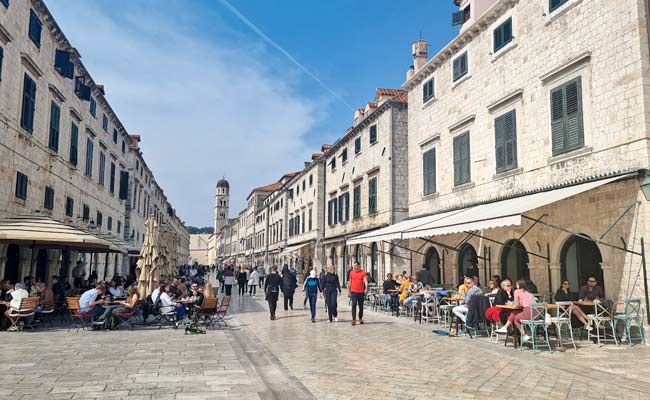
{"x": 432, "y": 263}
{"x": 514, "y": 261}
{"x": 467, "y": 261}
{"x": 580, "y": 258}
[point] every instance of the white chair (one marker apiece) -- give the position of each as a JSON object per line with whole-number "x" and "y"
{"x": 599, "y": 319}
{"x": 561, "y": 319}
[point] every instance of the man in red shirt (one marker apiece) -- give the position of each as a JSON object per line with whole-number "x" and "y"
{"x": 358, "y": 288}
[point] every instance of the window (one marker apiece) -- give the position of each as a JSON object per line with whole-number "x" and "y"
{"x": 311, "y": 180}
{"x": 356, "y": 198}
{"x": 341, "y": 211}
{"x": 503, "y": 35}
{"x": 332, "y": 215}
{"x": 81, "y": 89}
{"x": 344, "y": 155}
{"x": 21, "y": 185}
{"x": 344, "y": 207}
{"x": 48, "y": 202}
{"x": 567, "y": 131}
{"x": 35, "y": 25}
{"x": 111, "y": 183}
{"x": 310, "y": 219}
{"x": 124, "y": 185}
{"x": 297, "y": 222}
{"x": 114, "y": 135}
{"x": 505, "y": 139}
{"x": 373, "y": 134}
{"x": 303, "y": 185}
{"x": 105, "y": 123}
{"x": 291, "y": 227}
{"x": 102, "y": 167}
{"x": 372, "y": 195}
{"x": 74, "y": 139}
{"x": 303, "y": 222}
{"x": 29, "y": 104}
{"x": 86, "y": 213}
{"x": 110, "y": 223}
{"x": 461, "y": 159}
{"x": 89, "y": 157}
{"x": 100, "y": 218}
{"x": 555, "y": 4}
{"x": 55, "y": 117}
{"x": 62, "y": 63}
{"x": 123, "y": 147}
{"x": 460, "y": 17}
{"x": 69, "y": 206}
{"x": 357, "y": 145}
{"x": 119, "y": 226}
{"x": 93, "y": 107}
{"x": 429, "y": 171}
{"x": 460, "y": 66}
{"x": 333, "y": 163}
{"x": 427, "y": 91}
{"x": 298, "y": 189}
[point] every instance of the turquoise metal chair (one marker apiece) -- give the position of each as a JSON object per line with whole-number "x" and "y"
{"x": 537, "y": 321}
{"x": 631, "y": 316}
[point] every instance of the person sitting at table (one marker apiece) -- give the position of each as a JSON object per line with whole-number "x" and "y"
{"x": 167, "y": 305}
{"x": 472, "y": 290}
{"x": 133, "y": 296}
{"x": 175, "y": 290}
{"x": 90, "y": 301}
{"x": 115, "y": 289}
{"x": 523, "y": 298}
{"x": 17, "y": 294}
{"x": 58, "y": 289}
{"x": 390, "y": 289}
{"x": 46, "y": 298}
{"x": 403, "y": 288}
{"x": 530, "y": 285}
{"x": 505, "y": 295}
{"x": 564, "y": 294}
{"x": 591, "y": 291}
{"x": 414, "y": 287}
{"x": 492, "y": 288}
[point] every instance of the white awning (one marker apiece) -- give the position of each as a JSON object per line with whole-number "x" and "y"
{"x": 292, "y": 249}
{"x": 485, "y": 216}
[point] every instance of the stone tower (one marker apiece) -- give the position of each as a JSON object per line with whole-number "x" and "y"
{"x": 221, "y": 204}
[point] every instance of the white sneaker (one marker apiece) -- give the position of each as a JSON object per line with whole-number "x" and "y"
{"x": 336, "y": 319}
{"x": 525, "y": 338}
{"x": 589, "y": 328}
{"x": 503, "y": 329}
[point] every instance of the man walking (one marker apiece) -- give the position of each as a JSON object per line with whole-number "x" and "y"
{"x": 272, "y": 290}
{"x": 357, "y": 291}
{"x": 261, "y": 274}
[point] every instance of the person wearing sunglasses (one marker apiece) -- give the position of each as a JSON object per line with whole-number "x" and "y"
{"x": 564, "y": 293}
{"x": 505, "y": 295}
{"x": 591, "y": 291}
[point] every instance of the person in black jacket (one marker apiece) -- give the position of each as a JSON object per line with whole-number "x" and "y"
{"x": 331, "y": 289}
{"x": 425, "y": 276}
{"x": 564, "y": 294}
{"x": 242, "y": 280}
{"x": 272, "y": 285}
{"x": 289, "y": 284}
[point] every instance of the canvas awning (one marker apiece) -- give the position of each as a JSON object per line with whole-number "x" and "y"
{"x": 45, "y": 231}
{"x": 117, "y": 245}
{"x": 292, "y": 249}
{"x": 484, "y": 216}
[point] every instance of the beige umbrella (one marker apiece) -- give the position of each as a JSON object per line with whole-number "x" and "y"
{"x": 149, "y": 260}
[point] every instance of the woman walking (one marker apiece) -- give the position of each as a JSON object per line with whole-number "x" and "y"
{"x": 242, "y": 278}
{"x": 289, "y": 284}
{"x": 253, "y": 281}
{"x": 312, "y": 287}
{"x": 228, "y": 280}
{"x": 272, "y": 285}
{"x": 331, "y": 289}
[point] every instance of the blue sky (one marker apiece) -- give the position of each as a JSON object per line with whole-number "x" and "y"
{"x": 211, "y": 97}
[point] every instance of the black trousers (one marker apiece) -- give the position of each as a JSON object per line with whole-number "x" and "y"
{"x": 252, "y": 290}
{"x": 288, "y": 300}
{"x": 272, "y": 298}
{"x": 262, "y": 281}
{"x": 242, "y": 288}
{"x": 357, "y": 299}
{"x": 228, "y": 289}
{"x": 331, "y": 301}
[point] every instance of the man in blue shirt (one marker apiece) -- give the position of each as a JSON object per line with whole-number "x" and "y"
{"x": 89, "y": 302}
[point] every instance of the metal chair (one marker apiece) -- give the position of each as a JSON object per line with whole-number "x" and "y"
{"x": 632, "y": 315}
{"x": 562, "y": 319}
{"x": 599, "y": 319}
{"x": 430, "y": 310}
{"x": 537, "y": 321}
{"x": 222, "y": 310}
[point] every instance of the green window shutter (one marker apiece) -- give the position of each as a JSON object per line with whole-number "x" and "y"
{"x": 511, "y": 140}
{"x": 498, "y": 40}
{"x": 456, "y": 68}
{"x": 429, "y": 171}
{"x": 500, "y": 143}
{"x": 465, "y": 156}
{"x": 461, "y": 159}
{"x": 55, "y": 116}
{"x": 347, "y": 206}
{"x": 357, "y": 202}
{"x": 463, "y": 64}
{"x": 74, "y": 139}
{"x": 372, "y": 195}
{"x": 340, "y": 210}
{"x": 574, "y": 123}
{"x": 557, "y": 121}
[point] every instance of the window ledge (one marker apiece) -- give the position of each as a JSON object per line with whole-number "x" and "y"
{"x": 429, "y": 102}
{"x": 20, "y": 201}
{"x": 507, "y": 174}
{"x": 464, "y": 186}
{"x": 552, "y": 16}
{"x": 570, "y": 155}
{"x": 430, "y": 196}
{"x": 505, "y": 49}
{"x": 460, "y": 80}
{"x": 358, "y": 154}
{"x": 373, "y": 143}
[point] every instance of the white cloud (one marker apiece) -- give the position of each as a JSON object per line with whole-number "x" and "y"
{"x": 204, "y": 106}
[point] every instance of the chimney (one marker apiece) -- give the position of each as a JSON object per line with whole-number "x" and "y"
{"x": 420, "y": 53}
{"x": 410, "y": 72}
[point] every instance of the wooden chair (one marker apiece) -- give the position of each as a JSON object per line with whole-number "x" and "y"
{"x": 222, "y": 310}
{"x": 23, "y": 314}
{"x": 83, "y": 319}
{"x": 208, "y": 311}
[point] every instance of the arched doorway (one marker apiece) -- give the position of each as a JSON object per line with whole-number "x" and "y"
{"x": 41, "y": 266}
{"x": 514, "y": 261}
{"x": 467, "y": 261}
{"x": 580, "y": 258}
{"x": 374, "y": 261}
{"x": 346, "y": 266}
{"x": 432, "y": 264}
{"x": 12, "y": 264}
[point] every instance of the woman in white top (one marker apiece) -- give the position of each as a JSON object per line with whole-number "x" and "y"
{"x": 168, "y": 305}
{"x": 253, "y": 282}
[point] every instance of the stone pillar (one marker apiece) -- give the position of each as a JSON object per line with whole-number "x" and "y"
{"x": 556, "y": 277}
{"x": 3, "y": 259}
{"x": 53, "y": 265}
{"x": 25, "y": 267}
{"x": 611, "y": 291}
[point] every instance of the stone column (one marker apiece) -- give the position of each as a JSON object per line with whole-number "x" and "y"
{"x": 609, "y": 275}
{"x": 53, "y": 265}
{"x": 3, "y": 259}
{"x": 25, "y": 267}
{"x": 556, "y": 277}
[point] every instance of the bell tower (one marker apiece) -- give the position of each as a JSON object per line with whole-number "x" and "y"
{"x": 221, "y": 205}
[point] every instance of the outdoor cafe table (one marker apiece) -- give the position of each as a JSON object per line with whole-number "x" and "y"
{"x": 456, "y": 300}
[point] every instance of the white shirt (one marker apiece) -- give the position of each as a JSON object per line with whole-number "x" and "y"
{"x": 154, "y": 295}
{"x": 116, "y": 291}
{"x": 16, "y": 298}
{"x": 87, "y": 297}
{"x": 253, "y": 279}
{"x": 166, "y": 303}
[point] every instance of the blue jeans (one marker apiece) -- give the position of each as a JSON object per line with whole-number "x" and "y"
{"x": 312, "y": 304}
{"x": 180, "y": 312}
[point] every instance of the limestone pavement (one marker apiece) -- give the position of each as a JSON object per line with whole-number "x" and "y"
{"x": 292, "y": 358}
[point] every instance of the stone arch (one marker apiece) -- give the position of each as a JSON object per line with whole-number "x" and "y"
{"x": 432, "y": 264}
{"x": 580, "y": 258}
{"x": 468, "y": 261}
{"x": 514, "y": 260}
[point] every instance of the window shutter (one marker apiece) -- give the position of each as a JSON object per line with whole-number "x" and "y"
{"x": 463, "y": 64}
{"x": 498, "y": 38}
{"x": 335, "y": 211}
{"x": 457, "y": 18}
{"x": 557, "y": 121}
{"x": 74, "y": 138}
{"x": 510, "y": 140}
{"x": 63, "y": 65}
{"x": 55, "y": 116}
{"x": 574, "y": 127}
{"x": 124, "y": 185}
{"x": 500, "y": 142}
{"x": 341, "y": 201}
{"x": 457, "y": 161}
{"x": 465, "y": 173}
{"x": 347, "y": 206}
{"x": 456, "y": 68}
{"x": 429, "y": 171}
{"x": 29, "y": 104}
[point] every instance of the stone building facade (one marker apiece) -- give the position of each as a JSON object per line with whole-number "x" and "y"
{"x": 534, "y": 96}
{"x": 366, "y": 185}
{"x": 63, "y": 151}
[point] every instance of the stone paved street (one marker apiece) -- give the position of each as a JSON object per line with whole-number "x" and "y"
{"x": 292, "y": 358}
